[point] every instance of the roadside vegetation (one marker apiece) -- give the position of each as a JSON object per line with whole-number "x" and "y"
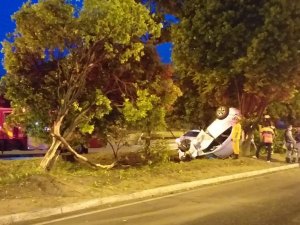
{"x": 100, "y": 74}
{"x": 18, "y": 171}
{"x": 23, "y": 184}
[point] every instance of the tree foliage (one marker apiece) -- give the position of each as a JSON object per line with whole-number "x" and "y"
{"x": 65, "y": 69}
{"x": 156, "y": 92}
{"x": 166, "y": 6}
{"x": 153, "y": 102}
{"x": 146, "y": 113}
{"x": 117, "y": 137}
{"x": 239, "y": 53}
{"x": 149, "y": 110}
{"x": 288, "y": 111}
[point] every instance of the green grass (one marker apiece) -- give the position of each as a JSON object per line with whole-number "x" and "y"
{"x": 25, "y": 187}
{"x": 125, "y": 180}
{"x": 17, "y": 170}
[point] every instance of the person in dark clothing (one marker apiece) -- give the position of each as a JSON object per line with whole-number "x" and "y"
{"x": 290, "y": 143}
{"x": 297, "y": 149}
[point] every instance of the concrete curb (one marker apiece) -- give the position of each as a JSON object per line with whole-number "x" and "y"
{"x": 19, "y": 217}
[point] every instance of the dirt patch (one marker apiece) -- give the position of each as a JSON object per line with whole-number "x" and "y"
{"x": 40, "y": 191}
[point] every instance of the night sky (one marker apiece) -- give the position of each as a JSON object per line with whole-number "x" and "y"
{"x": 8, "y": 7}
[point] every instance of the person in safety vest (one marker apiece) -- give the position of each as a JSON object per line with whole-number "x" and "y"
{"x": 236, "y": 136}
{"x": 267, "y": 137}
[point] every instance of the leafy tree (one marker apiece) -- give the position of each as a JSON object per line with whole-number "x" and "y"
{"x": 148, "y": 73}
{"x": 64, "y": 69}
{"x": 165, "y": 6}
{"x": 117, "y": 135}
{"x": 149, "y": 110}
{"x": 157, "y": 79}
{"x": 288, "y": 111}
{"x": 239, "y": 53}
{"x": 146, "y": 113}
{"x": 190, "y": 111}
{"x": 167, "y": 13}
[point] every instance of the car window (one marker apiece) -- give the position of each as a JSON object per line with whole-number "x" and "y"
{"x": 220, "y": 139}
{"x": 191, "y": 134}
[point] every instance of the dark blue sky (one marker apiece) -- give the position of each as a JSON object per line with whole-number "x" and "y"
{"x": 8, "y": 7}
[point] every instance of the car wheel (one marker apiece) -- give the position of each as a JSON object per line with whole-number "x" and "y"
{"x": 222, "y": 112}
{"x": 184, "y": 145}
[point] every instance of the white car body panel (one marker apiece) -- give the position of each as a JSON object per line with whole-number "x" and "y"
{"x": 218, "y": 126}
{"x": 219, "y": 129}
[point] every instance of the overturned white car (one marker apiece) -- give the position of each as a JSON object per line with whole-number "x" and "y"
{"x": 214, "y": 142}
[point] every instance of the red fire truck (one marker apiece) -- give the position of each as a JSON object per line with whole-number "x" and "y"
{"x": 13, "y": 138}
{"x": 10, "y": 137}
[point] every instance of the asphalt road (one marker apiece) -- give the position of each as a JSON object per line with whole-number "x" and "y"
{"x": 27, "y": 154}
{"x": 271, "y": 199}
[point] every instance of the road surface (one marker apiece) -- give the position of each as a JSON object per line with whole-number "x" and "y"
{"x": 271, "y": 199}
{"x": 22, "y": 154}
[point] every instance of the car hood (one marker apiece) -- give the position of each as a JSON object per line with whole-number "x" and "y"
{"x": 203, "y": 140}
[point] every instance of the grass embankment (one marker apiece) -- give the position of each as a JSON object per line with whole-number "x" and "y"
{"x": 24, "y": 187}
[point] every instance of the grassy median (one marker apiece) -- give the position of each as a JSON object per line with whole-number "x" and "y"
{"x": 23, "y": 186}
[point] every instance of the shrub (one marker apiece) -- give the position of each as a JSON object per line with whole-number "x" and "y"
{"x": 159, "y": 152}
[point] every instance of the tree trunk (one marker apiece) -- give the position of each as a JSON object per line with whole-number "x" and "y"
{"x": 246, "y": 147}
{"x": 80, "y": 157}
{"x": 115, "y": 151}
{"x": 52, "y": 153}
{"x": 252, "y": 109}
{"x": 51, "y": 156}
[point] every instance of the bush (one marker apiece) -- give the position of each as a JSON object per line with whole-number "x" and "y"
{"x": 159, "y": 152}
{"x": 278, "y": 144}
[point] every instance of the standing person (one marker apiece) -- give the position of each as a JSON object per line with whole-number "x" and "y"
{"x": 236, "y": 136}
{"x": 267, "y": 137}
{"x": 290, "y": 143}
{"x": 297, "y": 149}
{"x": 266, "y": 121}
{"x": 275, "y": 134}
{"x": 252, "y": 142}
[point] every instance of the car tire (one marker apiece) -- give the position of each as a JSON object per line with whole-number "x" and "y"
{"x": 184, "y": 145}
{"x": 222, "y": 112}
